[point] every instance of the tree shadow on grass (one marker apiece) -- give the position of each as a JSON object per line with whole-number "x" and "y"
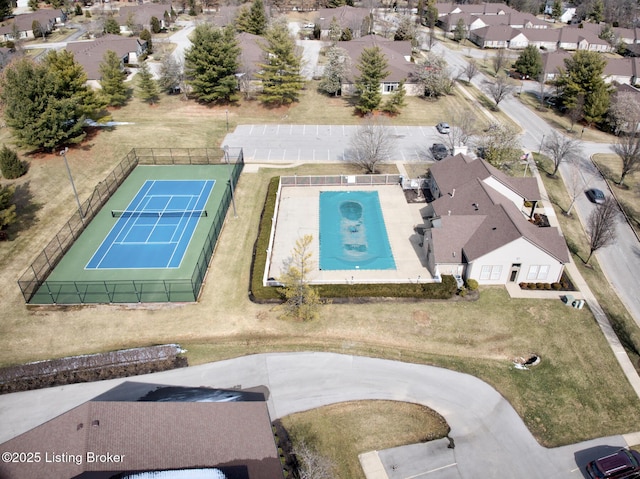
{"x": 26, "y": 209}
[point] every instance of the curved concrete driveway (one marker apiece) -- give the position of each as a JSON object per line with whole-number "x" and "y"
{"x": 490, "y": 438}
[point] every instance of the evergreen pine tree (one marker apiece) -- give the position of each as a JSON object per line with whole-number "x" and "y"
{"x": 280, "y": 75}
{"x": 242, "y": 19}
{"x": 146, "y": 36}
{"x": 8, "y": 214}
{"x": 373, "y": 69}
{"x": 112, "y": 81}
{"x": 335, "y": 31}
{"x": 6, "y": 8}
{"x": 10, "y": 164}
{"x": 111, "y": 26}
{"x": 38, "y": 109}
{"x": 156, "y": 27}
{"x": 257, "y": 20}
{"x": 148, "y": 87}
{"x": 211, "y": 64}
{"x": 529, "y": 62}
{"x": 396, "y": 101}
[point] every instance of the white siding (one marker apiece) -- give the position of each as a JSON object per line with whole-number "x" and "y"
{"x": 521, "y": 252}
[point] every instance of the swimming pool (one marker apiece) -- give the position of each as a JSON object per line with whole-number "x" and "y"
{"x": 352, "y": 232}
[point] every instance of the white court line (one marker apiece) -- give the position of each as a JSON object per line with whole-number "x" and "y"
{"x": 204, "y": 185}
{"x": 269, "y": 155}
{"x": 422, "y": 131}
{"x": 264, "y": 130}
{"x": 304, "y": 129}
{"x": 278, "y": 130}
{"x": 298, "y": 154}
{"x": 432, "y": 470}
{"x": 403, "y": 157}
{"x": 251, "y": 130}
{"x": 284, "y": 152}
{"x": 291, "y": 129}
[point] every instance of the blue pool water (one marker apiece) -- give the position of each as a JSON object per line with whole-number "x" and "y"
{"x": 352, "y": 232}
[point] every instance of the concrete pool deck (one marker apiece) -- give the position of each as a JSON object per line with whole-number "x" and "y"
{"x": 299, "y": 215}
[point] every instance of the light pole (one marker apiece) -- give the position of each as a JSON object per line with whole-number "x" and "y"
{"x": 541, "y": 143}
{"x": 63, "y": 153}
{"x": 233, "y": 198}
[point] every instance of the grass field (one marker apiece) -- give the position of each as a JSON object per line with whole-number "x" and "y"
{"x": 559, "y": 400}
{"x": 342, "y": 431}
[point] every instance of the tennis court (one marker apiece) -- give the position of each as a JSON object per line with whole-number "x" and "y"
{"x": 156, "y": 228}
{"x": 150, "y": 242}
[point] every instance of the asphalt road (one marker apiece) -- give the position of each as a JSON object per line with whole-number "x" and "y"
{"x": 490, "y": 438}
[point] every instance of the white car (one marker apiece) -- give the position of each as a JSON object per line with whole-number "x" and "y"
{"x": 309, "y": 25}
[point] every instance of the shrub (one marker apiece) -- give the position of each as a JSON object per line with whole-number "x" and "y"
{"x": 547, "y": 286}
{"x": 531, "y": 286}
{"x": 556, "y": 286}
{"x": 539, "y": 285}
{"x": 10, "y": 164}
{"x": 523, "y": 285}
{"x": 472, "y": 284}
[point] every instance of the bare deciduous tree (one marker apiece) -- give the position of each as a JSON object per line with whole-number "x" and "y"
{"x": 500, "y": 88}
{"x": 624, "y": 112}
{"x": 311, "y": 464}
{"x": 301, "y": 301}
{"x": 371, "y": 144}
{"x": 499, "y": 144}
{"x": 576, "y": 182}
{"x": 601, "y": 225}
{"x": 499, "y": 60}
{"x": 627, "y": 147}
{"x": 471, "y": 70}
{"x": 576, "y": 112}
{"x": 559, "y": 148}
{"x": 462, "y": 128}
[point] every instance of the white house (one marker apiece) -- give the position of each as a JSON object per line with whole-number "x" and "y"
{"x": 484, "y": 225}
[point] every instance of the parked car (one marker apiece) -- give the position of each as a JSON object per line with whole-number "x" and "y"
{"x": 439, "y": 151}
{"x": 595, "y": 196}
{"x": 443, "y": 128}
{"x": 624, "y": 464}
{"x": 309, "y": 25}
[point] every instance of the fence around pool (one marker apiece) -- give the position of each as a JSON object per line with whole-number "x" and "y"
{"x": 37, "y": 290}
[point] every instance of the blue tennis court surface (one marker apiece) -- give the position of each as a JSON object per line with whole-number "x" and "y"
{"x": 156, "y": 228}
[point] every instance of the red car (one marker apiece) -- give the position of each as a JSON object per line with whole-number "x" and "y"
{"x": 624, "y": 464}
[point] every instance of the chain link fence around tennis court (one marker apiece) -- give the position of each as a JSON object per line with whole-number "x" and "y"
{"x": 33, "y": 281}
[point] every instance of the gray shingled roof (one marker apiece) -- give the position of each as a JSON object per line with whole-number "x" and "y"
{"x": 465, "y": 194}
{"x": 91, "y": 53}
{"x": 396, "y": 53}
{"x": 152, "y": 436}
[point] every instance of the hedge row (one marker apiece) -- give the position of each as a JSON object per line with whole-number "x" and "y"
{"x": 92, "y": 367}
{"x": 259, "y": 293}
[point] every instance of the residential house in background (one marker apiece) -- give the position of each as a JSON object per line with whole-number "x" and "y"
{"x": 135, "y": 18}
{"x": 400, "y": 64}
{"x": 499, "y": 36}
{"x": 21, "y": 26}
{"x": 568, "y": 11}
{"x": 90, "y": 54}
{"x": 485, "y": 225}
{"x": 358, "y": 20}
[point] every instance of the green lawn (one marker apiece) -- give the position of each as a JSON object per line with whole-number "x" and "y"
{"x": 559, "y": 400}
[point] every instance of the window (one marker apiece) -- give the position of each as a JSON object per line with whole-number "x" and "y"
{"x": 539, "y": 272}
{"x": 389, "y": 87}
{"x": 491, "y": 272}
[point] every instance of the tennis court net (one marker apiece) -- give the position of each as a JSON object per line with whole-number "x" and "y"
{"x": 158, "y": 214}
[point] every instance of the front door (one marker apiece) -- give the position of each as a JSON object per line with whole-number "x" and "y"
{"x": 515, "y": 269}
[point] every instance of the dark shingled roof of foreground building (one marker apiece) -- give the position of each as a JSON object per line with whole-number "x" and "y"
{"x": 234, "y": 437}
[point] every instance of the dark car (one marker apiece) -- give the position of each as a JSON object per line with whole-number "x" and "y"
{"x": 624, "y": 464}
{"x": 443, "y": 128}
{"x": 595, "y": 196}
{"x": 439, "y": 151}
